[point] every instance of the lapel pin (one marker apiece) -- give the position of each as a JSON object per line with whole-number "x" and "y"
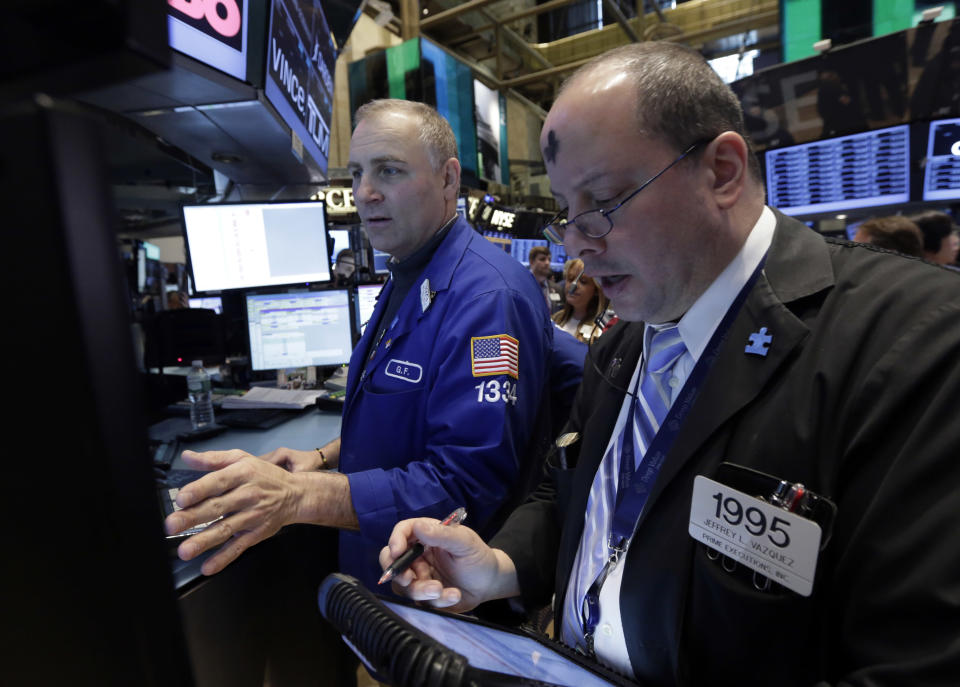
{"x": 426, "y": 296}
{"x": 759, "y": 343}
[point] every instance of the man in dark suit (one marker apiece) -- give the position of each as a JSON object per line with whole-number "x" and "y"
{"x": 788, "y": 516}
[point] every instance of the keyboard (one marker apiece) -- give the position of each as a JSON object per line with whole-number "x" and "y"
{"x": 255, "y": 418}
{"x": 167, "y": 490}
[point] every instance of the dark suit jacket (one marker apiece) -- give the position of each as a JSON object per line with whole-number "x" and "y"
{"x": 857, "y": 399}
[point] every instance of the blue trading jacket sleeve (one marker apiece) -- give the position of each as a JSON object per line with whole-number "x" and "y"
{"x": 475, "y": 426}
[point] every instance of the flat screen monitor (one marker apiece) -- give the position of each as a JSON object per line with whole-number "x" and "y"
{"x": 367, "y": 295}
{"x": 941, "y": 175}
{"x": 520, "y": 249}
{"x": 380, "y": 260}
{"x": 341, "y": 241}
{"x": 213, "y": 32}
{"x": 253, "y": 245}
{"x": 214, "y": 303}
{"x": 301, "y": 61}
{"x": 862, "y": 170}
{"x": 299, "y": 329}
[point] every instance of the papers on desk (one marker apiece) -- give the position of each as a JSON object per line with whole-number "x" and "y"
{"x": 262, "y": 397}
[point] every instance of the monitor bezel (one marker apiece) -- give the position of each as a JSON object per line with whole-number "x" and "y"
{"x": 351, "y": 314}
{"x": 838, "y": 206}
{"x": 195, "y": 291}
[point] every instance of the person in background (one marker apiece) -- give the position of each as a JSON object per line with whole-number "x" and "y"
{"x": 585, "y": 304}
{"x": 540, "y": 258}
{"x": 444, "y": 389}
{"x": 344, "y": 268}
{"x": 759, "y": 483}
{"x": 894, "y": 232}
{"x": 940, "y": 240}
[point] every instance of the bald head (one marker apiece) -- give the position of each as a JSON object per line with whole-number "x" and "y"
{"x": 678, "y": 96}
{"x": 651, "y": 164}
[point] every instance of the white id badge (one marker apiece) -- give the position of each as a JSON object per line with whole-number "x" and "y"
{"x": 774, "y": 542}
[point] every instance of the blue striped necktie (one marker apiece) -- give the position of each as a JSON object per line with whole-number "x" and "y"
{"x": 648, "y": 408}
{"x": 651, "y": 405}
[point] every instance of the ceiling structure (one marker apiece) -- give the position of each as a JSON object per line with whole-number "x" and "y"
{"x": 497, "y": 38}
{"x": 152, "y": 172}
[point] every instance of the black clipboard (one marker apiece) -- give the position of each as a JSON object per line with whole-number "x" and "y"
{"x": 406, "y": 645}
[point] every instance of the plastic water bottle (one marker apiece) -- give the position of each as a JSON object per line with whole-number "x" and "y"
{"x": 201, "y": 402}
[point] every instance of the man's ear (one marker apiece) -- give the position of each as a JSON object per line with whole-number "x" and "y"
{"x": 727, "y": 156}
{"x": 451, "y": 178}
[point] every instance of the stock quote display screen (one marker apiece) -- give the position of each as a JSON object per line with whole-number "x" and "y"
{"x": 856, "y": 171}
{"x": 941, "y": 175}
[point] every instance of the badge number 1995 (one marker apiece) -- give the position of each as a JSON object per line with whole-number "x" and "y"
{"x": 774, "y": 542}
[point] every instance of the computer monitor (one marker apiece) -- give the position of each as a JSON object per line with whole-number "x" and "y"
{"x": 380, "y": 260}
{"x": 862, "y": 170}
{"x": 341, "y": 241}
{"x": 367, "y": 295}
{"x": 299, "y": 329}
{"x": 214, "y": 303}
{"x": 255, "y": 245}
{"x": 520, "y": 250}
{"x": 941, "y": 174}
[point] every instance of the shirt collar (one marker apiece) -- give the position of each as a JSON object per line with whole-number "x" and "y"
{"x": 409, "y": 268}
{"x": 702, "y": 319}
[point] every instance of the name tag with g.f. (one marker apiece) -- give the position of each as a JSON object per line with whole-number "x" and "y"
{"x": 402, "y": 369}
{"x": 770, "y": 540}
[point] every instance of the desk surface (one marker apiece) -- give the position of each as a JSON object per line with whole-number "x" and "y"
{"x": 307, "y": 431}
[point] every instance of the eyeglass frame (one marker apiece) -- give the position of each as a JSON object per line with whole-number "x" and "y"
{"x": 557, "y": 238}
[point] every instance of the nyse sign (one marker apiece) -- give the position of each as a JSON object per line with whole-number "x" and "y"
{"x": 503, "y": 219}
{"x": 219, "y": 19}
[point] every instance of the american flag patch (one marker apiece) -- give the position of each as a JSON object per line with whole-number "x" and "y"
{"x": 495, "y": 355}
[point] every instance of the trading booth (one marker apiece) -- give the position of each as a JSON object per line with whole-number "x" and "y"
{"x": 274, "y": 290}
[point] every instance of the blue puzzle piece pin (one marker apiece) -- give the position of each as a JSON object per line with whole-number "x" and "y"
{"x": 759, "y": 343}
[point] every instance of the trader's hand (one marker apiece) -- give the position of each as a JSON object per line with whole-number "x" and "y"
{"x": 293, "y": 460}
{"x": 457, "y": 571}
{"x": 254, "y": 497}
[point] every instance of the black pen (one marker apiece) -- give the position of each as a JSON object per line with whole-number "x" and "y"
{"x": 415, "y": 551}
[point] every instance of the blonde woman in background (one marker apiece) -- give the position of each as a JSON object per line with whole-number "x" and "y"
{"x": 585, "y": 302}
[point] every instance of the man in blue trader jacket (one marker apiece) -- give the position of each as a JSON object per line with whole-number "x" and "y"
{"x": 444, "y": 387}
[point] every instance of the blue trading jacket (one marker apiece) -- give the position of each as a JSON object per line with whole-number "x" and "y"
{"x": 429, "y": 423}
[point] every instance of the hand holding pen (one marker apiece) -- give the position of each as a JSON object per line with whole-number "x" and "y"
{"x": 415, "y": 551}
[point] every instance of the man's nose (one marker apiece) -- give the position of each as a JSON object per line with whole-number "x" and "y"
{"x": 576, "y": 244}
{"x": 364, "y": 190}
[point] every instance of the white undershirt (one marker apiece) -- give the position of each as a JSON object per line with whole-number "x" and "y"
{"x": 695, "y": 327}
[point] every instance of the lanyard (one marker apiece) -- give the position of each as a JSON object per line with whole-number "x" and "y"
{"x": 631, "y": 498}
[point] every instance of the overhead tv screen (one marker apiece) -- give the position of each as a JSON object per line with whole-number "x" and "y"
{"x": 861, "y": 170}
{"x": 301, "y": 61}
{"x": 213, "y": 32}
{"x": 251, "y": 245}
{"x": 941, "y": 174}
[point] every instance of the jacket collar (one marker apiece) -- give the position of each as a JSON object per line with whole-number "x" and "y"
{"x": 797, "y": 266}
{"x": 439, "y": 272}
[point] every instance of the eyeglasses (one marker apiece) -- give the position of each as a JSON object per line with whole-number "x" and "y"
{"x": 596, "y": 223}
